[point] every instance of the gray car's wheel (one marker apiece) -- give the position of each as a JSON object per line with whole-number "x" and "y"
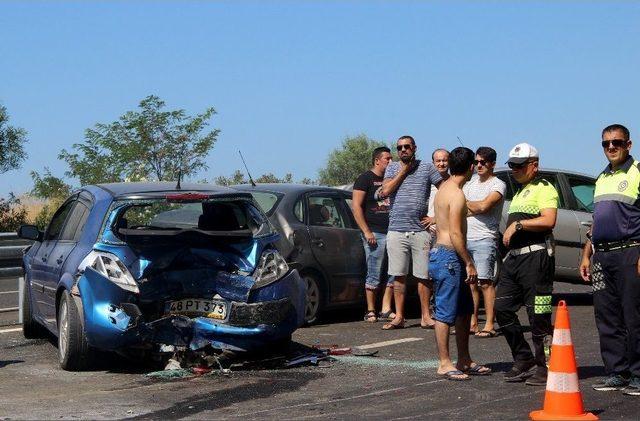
{"x": 315, "y": 298}
{"x": 30, "y": 328}
{"x": 73, "y": 350}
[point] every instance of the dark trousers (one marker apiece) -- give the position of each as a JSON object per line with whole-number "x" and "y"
{"x": 526, "y": 280}
{"x": 616, "y": 303}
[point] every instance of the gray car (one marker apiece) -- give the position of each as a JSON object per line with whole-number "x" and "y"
{"x": 575, "y": 210}
{"x": 320, "y": 238}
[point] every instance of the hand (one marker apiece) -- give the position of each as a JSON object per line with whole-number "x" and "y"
{"x": 405, "y": 168}
{"x": 508, "y": 233}
{"x": 472, "y": 273}
{"x": 427, "y": 221}
{"x": 371, "y": 239}
{"x": 585, "y": 269}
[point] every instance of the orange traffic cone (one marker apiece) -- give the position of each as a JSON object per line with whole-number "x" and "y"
{"x": 562, "y": 399}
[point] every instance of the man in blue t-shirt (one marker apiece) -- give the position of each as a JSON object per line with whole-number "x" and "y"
{"x": 408, "y": 183}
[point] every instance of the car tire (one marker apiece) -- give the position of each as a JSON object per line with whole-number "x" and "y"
{"x": 30, "y": 328}
{"x": 73, "y": 349}
{"x": 315, "y": 298}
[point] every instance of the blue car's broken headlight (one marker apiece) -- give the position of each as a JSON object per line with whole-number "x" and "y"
{"x": 270, "y": 268}
{"x": 109, "y": 266}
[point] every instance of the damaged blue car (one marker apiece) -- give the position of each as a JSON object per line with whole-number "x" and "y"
{"x": 141, "y": 268}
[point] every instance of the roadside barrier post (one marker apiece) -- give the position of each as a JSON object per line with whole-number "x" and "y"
{"x": 20, "y": 298}
{"x": 562, "y": 399}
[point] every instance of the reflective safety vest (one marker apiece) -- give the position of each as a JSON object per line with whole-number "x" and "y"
{"x": 526, "y": 204}
{"x": 616, "y": 214}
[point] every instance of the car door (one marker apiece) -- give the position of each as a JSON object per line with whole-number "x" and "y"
{"x": 41, "y": 267}
{"x": 67, "y": 241}
{"x": 331, "y": 239}
{"x": 582, "y": 191}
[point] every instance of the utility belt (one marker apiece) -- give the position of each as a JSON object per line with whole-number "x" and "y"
{"x": 616, "y": 245}
{"x": 549, "y": 245}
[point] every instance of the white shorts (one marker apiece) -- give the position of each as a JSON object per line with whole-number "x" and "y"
{"x": 409, "y": 247}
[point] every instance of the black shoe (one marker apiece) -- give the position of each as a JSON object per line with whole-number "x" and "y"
{"x": 539, "y": 378}
{"x": 634, "y": 387}
{"x": 613, "y": 382}
{"x": 519, "y": 372}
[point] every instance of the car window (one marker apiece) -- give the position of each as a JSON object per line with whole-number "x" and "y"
{"x": 583, "y": 190}
{"x": 75, "y": 222}
{"x": 266, "y": 200}
{"x": 324, "y": 211}
{"x": 298, "y": 210}
{"x": 506, "y": 180}
{"x": 55, "y": 226}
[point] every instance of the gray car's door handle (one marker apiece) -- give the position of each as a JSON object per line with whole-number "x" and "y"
{"x": 318, "y": 242}
{"x": 586, "y": 224}
{"x": 59, "y": 260}
{"x": 44, "y": 258}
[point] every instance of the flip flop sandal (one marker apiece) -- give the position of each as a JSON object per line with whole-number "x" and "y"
{"x": 449, "y": 375}
{"x": 391, "y": 326}
{"x": 478, "y": 370}
{"x": 486, "y": 334}
{"x": 386, "y": 315}
{"x": 370, "y": 316}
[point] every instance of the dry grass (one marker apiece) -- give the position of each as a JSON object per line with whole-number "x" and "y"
{"x": 33, "y": 206}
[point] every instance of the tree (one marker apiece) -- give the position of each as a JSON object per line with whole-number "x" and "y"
{"x": 12, "y": 214}
{"x": 49, "y": 186}
{"x": 148, "y": 144}
{"x": 270, "y": 178}
{"x": 238, "y": 177}
{"x": 346, "y": 163}
{"x": 12, "y": 140}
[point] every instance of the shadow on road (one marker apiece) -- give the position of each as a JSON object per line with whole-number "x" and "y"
{"x": 9, "y": 362}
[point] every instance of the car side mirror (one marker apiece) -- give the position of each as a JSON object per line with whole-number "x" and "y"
{"x": 30, "y": 232}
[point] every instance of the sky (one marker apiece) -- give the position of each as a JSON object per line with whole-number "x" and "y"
{"x": 291, "y": 79}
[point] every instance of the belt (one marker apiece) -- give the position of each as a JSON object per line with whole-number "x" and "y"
{"x": 528, "y": 249}
{"x": 616, "y": 245}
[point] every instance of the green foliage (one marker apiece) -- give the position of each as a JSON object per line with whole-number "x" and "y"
{"x": 12, "y": 140}
{"x": 149, "y": 144}
{"x": 270, "y": 178}
{"x": 12, "y": 214}
{"x": 347, "y": 162}
{"x": 49, "y": 186}
{"x": 238, "y": 177}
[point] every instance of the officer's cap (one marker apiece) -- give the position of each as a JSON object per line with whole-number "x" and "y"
{"x": 522, "y": 152}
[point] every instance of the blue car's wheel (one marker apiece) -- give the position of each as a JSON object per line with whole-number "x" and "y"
{"x": 73, "y": 350}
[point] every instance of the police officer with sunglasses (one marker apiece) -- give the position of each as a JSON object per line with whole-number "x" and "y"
{"x": 615, "y": 274}
{"x": 527, "y": 274}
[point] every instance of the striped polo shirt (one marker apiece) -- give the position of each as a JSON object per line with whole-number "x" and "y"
{"x": 409, "y": 203}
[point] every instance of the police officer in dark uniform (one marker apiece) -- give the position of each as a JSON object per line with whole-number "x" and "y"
{"x": 527, "y": 274}
{"x": 615, "y": 246}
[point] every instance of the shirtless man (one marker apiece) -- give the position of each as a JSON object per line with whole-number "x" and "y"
{"x": 452, "y": 269}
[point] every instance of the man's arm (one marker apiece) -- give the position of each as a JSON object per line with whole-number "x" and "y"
{"x": 457, "y": 215}
{"x": 585, "y": 264}
{"x": 477, "y": 207}
{"x": 357, "y": 206}
{"x": 545, "y": 222}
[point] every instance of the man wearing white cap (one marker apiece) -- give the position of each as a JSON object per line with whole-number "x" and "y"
{"x": 527, "y": 274}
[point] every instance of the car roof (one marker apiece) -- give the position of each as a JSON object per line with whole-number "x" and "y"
{"x": 133, "y": 188}
{"x": 284, "y": 188}
{"x": 551, "y": 170}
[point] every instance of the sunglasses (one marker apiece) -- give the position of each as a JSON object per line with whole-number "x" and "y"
{"x": 482, "y": 162}
{"x": 616, "y": 143}
{"x": 403, "y": 147}
{"x": 515, "y": 166}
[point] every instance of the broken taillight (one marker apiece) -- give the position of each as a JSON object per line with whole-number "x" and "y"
{"x": 186, "y": 197}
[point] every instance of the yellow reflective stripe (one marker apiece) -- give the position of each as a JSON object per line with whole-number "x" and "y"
{"x": 538, "y": 309}
{"x": 542, "y": 299}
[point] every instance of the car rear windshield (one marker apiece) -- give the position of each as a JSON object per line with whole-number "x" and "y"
{"x": 211, "y": 216}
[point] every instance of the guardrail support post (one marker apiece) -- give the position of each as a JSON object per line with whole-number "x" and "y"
{"x": 20, "y": 298}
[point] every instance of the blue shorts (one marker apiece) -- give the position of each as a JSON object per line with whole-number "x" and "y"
{"x": 452, "y": 294}
{"x": 483, "y": 253}
{"x": 375, "y": 256}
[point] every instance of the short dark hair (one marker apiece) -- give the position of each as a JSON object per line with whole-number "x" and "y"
{"x": 413, "y": 142}
{"x": 377, "y": 152}
{"x": 615, "y": 127}
{"x": 460, "y": 159}
{"x": 433, "y": 154}
{"x": 487, "y": 153}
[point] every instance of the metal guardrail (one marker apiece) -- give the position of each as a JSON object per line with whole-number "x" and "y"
{"x": 11, "y": 254}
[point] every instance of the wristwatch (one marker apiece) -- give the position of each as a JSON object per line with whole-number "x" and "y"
{"x": 519, "y": 226}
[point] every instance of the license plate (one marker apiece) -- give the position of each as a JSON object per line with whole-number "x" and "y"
{"x": 194, "y": 306}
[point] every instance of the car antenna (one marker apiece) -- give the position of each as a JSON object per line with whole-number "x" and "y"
{"x": 246, "y": 168}
{"x": 460, "y": 141}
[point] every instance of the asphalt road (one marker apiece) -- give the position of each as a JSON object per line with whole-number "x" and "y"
{"x": 400, "y": 383}
{"x": 8, "y": 301}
